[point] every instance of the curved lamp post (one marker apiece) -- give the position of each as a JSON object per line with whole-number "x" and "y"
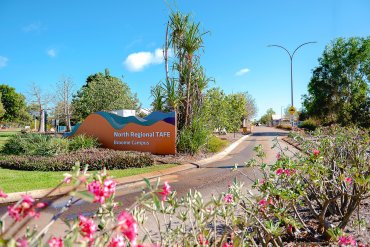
{"x": 291, "y": 62}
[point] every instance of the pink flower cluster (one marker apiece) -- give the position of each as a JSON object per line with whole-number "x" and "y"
{"x": 316, "y": 152}
{"x": 228, "y": 198}
{"x": 348, "y": 180}
{"x": 55, "y": 242}
{"x": 25, "y": 208}
{"x": 202, "y": 240}
{"x": 128, "y": 226}
{"x": 87, "y": 227}
{"x": 102, "y": 191}
{"x": 166, "y": 190}
{"x": 2, "y": 194}
{"x": 22, "y": 242}
{"x": 264, "y": 202}
{"x": 117, "y": 241}
{"x": 347, "y": 241}
{"x": 288, "y": 172}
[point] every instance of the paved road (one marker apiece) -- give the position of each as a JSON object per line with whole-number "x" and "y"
{"x": 209, "y": 179}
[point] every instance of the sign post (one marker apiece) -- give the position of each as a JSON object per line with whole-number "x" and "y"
{"x": 292, "y": 111}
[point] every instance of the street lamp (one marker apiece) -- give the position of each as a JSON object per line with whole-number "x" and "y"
{"x": 291, "y": 63}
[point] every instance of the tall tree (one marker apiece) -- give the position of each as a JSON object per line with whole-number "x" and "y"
{"x": 2, "y": 109}
{"x": 215, "y": 101}
{"x": 42, "y": 100}
{"x": 339, "y": 88}
{"x": 14, "y": 105}
{"x": 250, "y": 106}
{"x": 235, "y": 111}
{"x": 103, "y": 92}
{"x": 183, "y": 89}
{"x": 267, "y": 117}
{"x": 64, "y": 95}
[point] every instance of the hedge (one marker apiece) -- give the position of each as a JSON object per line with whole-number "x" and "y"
{"x": 95, "y": 158}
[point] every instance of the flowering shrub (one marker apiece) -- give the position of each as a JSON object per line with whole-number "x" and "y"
{"x": 308, "y": 196}
{"x": 96, "y": 158}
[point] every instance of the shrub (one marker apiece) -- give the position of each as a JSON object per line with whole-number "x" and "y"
{"x": 284, "y": 126}
{"x": 309, "y": 124}
{"x": 215, "y": 144}
{"x": 82, "y": 142}
{"x": 95, "y": 158}
{"x": 35, "y": 144}
{"x": 192, "y": 138}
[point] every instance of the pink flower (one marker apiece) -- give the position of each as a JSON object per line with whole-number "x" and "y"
{"x": 102, "y": 191}
{"x": 166, "y": 190}
{"x": 87, "y": 227}
{"x": 25, "y": 208}
{"x": 128, "y": 226}
{"x": 278, "y": 156}
{"x": 109, "y": 187}
{"x": 227, "y": 244}
{"x": 228, "y": 198}
{"x": 348, "y": 180}
{"x": 315, "y": 152}
{"x": 55, "y": 242}
{"x": 117, "y": 241}
{"x": 202, "y": 240}
{"x": 2, "y": 194}
{"x": 280, "y": 171}
{"x": 289, "y": 172}
{"x": 41, "y": 204}
{"x": 22, "y": 242}
{"x": 346, "y": 241}
{"x": 262, "y": 203}
{"x": 67, "y": 178}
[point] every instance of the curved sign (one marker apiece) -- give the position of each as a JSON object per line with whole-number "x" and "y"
{"x": 156, "y": 133}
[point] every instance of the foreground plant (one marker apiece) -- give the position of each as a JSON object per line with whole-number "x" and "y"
{"x": 305, "y": 197}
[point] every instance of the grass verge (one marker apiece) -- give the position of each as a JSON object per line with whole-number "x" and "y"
{"x": 16, "y": 181}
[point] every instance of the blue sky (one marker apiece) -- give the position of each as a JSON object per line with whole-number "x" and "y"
{"x": 43, "y": 40}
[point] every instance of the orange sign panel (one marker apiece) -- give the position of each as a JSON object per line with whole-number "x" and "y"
{"x": 156, "y": 133}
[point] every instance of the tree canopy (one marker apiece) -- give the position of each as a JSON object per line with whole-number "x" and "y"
{"x": 339, "y": 88}
{"x": 267, "y": 117}
{"x": 14, "y": 105}
{"x": 103, "y": 92}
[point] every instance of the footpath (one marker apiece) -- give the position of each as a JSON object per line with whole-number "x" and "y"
{"x": 127, "y": 182}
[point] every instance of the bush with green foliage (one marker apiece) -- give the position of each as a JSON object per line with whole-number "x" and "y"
{"x": 46, "y": 145}
{"x": 193, "y": 137}
{"x": 309, "y": 124}
{"x": 83, "y": 142}
{"x": 35, "y": 144}
{"x": 95, "y": 158}
{"x": 284, "y": 126}
{"x": 215, "y": 144}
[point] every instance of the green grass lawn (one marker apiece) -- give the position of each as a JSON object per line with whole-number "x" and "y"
{"x": 5, "y": 135}
{"x": 15, "y": 181}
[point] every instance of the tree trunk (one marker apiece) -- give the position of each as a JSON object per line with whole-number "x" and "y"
{"x": 166, "y": 52}
{"x": 42, "y": 121}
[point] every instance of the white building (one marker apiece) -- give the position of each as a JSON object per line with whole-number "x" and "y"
{"x": 124, "y": 112}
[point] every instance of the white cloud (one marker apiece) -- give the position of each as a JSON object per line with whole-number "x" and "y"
{"x": 51, "y": 52}
{"x": 242, "y": 72}
{"x": 138, "y": 61}
{"x": 33, "y": 27}
{"x": 3, "y": 61}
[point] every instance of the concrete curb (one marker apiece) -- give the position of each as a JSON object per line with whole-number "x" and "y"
{"x": 127, "y": 182}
